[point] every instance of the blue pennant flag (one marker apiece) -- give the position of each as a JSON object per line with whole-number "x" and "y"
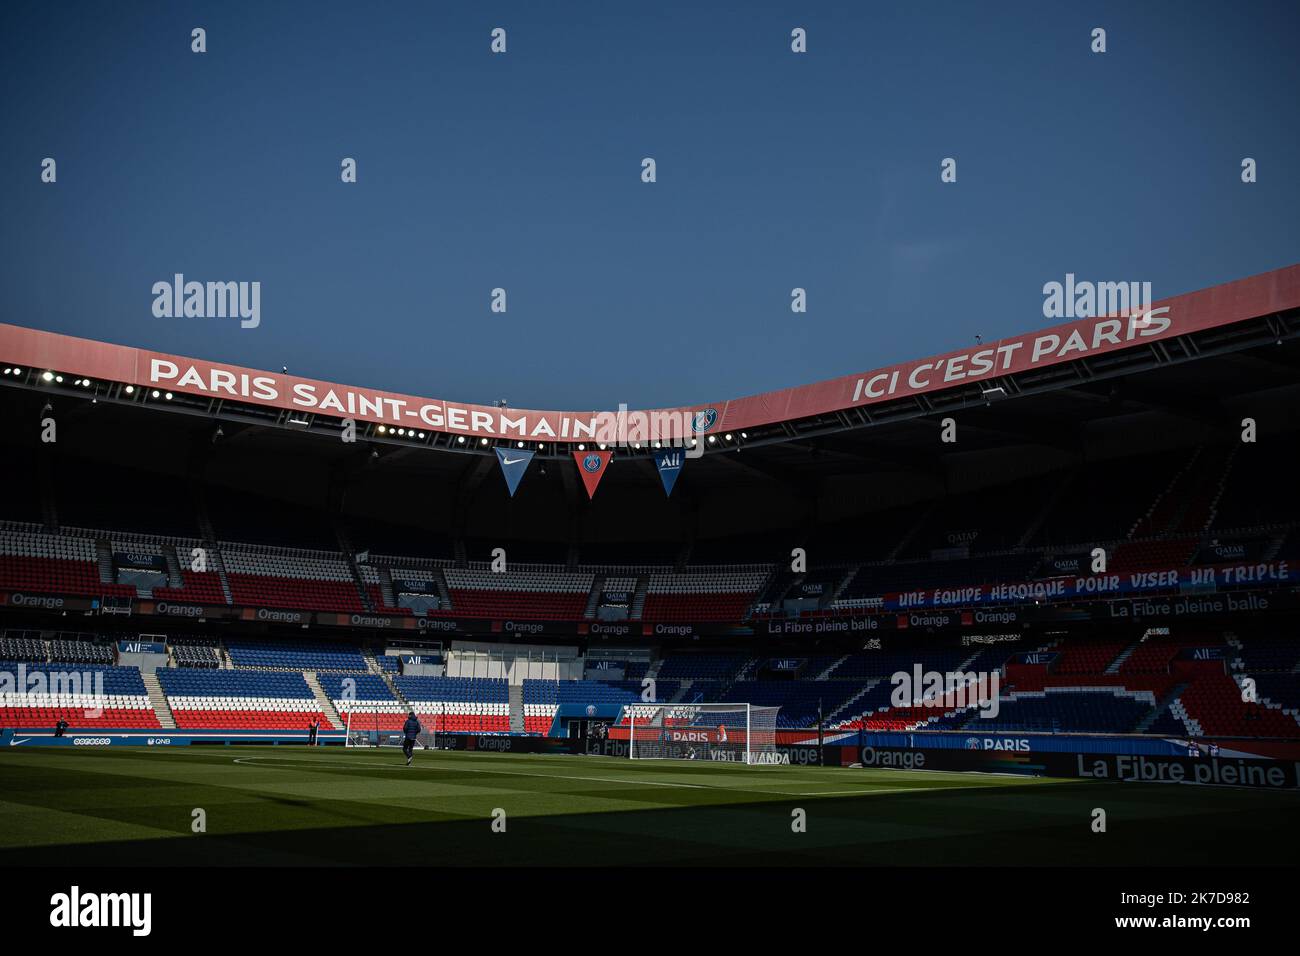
{"x": 514, "y": 462}
{"x": 670, "y": 462}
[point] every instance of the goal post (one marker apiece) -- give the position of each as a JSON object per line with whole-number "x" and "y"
{"x": 366, "y": 727}
{"x": 735, "y": 733}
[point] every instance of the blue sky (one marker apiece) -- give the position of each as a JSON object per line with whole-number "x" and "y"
{"x": 522, "y": 171}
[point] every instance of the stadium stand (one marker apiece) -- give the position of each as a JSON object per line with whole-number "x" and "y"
{"x": 243, "y": 700}
{"x": 367, "y": 698}
{"x": 85, "y": 697}
{"x": 294, "y": 656}
{"x": 459, "y": 704}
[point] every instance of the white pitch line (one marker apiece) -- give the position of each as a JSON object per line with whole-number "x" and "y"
{"x": 620, "y": 780}
{"x": 508, "y": 773}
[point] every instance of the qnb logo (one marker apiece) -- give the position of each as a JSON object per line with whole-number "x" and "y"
{"x": 704, "y": 420}
{"x": 955, "y": 690}
{"x": 76, "y": 909}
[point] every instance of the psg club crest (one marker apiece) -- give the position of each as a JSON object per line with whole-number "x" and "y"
{"x": 704, "y": 420}
{"x": 591, "y": 465}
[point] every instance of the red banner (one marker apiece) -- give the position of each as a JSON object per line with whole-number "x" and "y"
{"x": 1209, "y": 308}
{"x": 591, "y": 465}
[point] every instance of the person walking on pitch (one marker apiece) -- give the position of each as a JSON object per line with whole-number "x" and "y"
{"x": 410, "y": 730}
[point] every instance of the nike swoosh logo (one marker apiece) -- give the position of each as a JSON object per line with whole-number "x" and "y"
{"x": 511, "y": 461}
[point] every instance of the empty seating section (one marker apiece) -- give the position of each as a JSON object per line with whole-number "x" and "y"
{"x": 1085, "y": 658}
{"x": 34, "y": 561}
{"x": 197, "y": 587}
{"x": 716, "y": 667}
{"x": 295, "y": 656}
{"x": 798, "y": 699}
{"x": 239, "y": 700}
{"x": 992, "y": 519}
{"x": 1255, "y": 656}
{"x": 703, "y": 594}
{"x": 366, "y": 698}
{"x": 1146, "y": 555}
{"x": 286, "y": 578}
{"x": 1280, "y": 689}
{"x": 1215, "y": 704}
{"x": 187, "y": 654}
{"x": 547, "y": 594}
{"x": 1172, "y": 684}
{"x": 1068, "y": 710}
{"x": 84, "y": 696}
{"x": 541, "y": 703}
{"x": 23, "y": 646}
{"x": 459, "y": 704}
{"x": 79, "y": 649}
{"x": 1103, "y": 500}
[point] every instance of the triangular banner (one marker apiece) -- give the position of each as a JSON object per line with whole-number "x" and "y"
{"x": 670, "y": 462}
{"x": 591, "y": 465}
{"x": 513, "y": 465}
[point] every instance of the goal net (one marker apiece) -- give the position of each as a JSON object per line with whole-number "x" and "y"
{"x": 370, "y": 728}
{"x": 739, "y": 733}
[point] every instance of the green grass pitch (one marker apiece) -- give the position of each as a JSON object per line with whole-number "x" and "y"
{"x": 330, "y": 806}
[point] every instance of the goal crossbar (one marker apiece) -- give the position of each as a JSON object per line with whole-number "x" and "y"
{"x": 735, "y": 732}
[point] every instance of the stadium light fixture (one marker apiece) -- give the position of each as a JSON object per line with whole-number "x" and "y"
{"x": 744, "y": 435}
{"x": 482, "y": 441}
{"x": 130, "y": 390}
{"x": 381, "y": 429}
{"x": 154, "y": 394}
{"x": 421, "y": 436}
{"x": 48, "y": 376}
{"x": 727, "y": 437}
{"x": 713, "y": 440}
{"x": 519, "y": 444}
{"x": 582, "y": 448}
{"x": 168, "y": 396}
{"x": 7, "y": 371}
{"x": 460, "y": 439}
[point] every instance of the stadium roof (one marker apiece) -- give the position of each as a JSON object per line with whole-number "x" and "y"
{"x": 1220, "y": 319}
{"x": 1240, "y": 358}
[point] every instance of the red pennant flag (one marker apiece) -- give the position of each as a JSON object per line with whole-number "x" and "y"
{"x": 591, "y": 465}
